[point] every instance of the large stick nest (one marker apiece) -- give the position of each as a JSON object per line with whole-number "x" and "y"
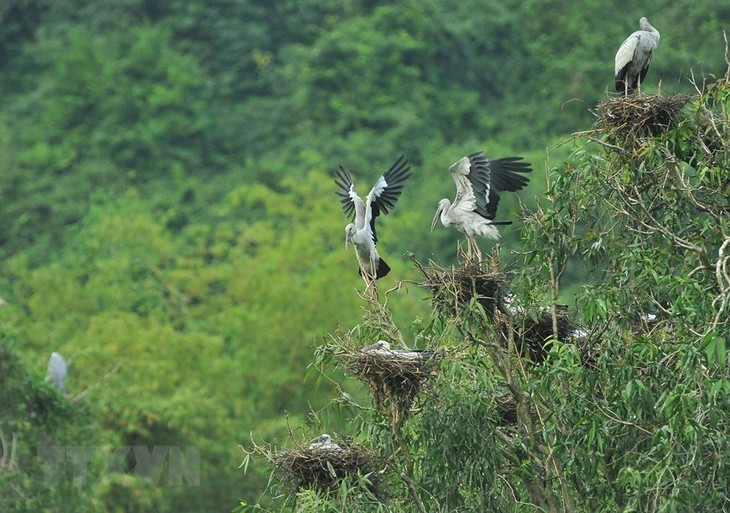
{"x": 323, "y": 469}
{"x": 628, "y": 120}
{"x": 453, "y": 289}
{"x": 532, "y": 332}
{"x": 392, "y": 379}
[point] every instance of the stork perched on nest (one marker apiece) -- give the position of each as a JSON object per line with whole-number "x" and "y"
{"x": 382, "y": 197}
{"x": 478, "y": 182}
{"x": 324, "y": 443}
{"x": 634, "y": 56}
{"x": 381, "y": 347}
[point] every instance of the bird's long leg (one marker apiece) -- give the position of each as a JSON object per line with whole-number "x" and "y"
{"x": 468, "y": 249}
{"x": 478, "y": 251}
{"x": 370, "y": 279}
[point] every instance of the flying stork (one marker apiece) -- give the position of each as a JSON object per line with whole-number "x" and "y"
{"x": 478, "y": 182}
{"x": 361, "y": 232}
{"x": 634, "y": 56}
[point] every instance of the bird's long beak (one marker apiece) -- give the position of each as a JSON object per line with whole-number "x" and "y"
{"x": 435, "y": 218}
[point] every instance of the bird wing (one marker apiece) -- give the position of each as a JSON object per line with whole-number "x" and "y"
{"x": 625, "y": 54}
{"x": 384, "y": 195}
{"x": 346, "y": 191}
{"x": 488, "y": 177}
{"x": 462, "y": 173}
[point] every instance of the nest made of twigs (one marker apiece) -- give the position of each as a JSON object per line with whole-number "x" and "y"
{"x": 393, "y": 380}
{"x": 453, "y": 289}
{"x": 628, "y": 120}
{"x": 532, "y": 331}
{"x": 323, "y": 469}
{"x": 506, "y": 409}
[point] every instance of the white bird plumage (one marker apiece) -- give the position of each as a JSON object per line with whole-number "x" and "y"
{"x": 381, "y": 198}
{"x": 382, "y": 347}
{"x": 324, "y": 443}
{"x": 478, "y": 183}
{"x": 57, "y": 371}
{"x": 634, "y": 56}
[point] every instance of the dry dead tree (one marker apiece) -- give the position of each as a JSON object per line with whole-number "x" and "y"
{"x": 628, "y": 121}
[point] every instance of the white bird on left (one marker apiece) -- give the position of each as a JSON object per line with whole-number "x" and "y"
{"x": 382, "y": 197}
{"x": 324, "y": 443}
{"x": 57, "y": 371}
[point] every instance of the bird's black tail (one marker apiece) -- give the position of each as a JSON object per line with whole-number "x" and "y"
{"x": 383, "y": 269}
{"x": 500, "y": 222}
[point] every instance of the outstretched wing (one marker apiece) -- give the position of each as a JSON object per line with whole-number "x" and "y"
{"x": 467, "y": 184}
{"x": 384, "y": 195}
{"x": 490, "y": 177}
{"x": 346, "y": 191}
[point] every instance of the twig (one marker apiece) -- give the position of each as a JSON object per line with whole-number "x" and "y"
{"x": 106, "y": 377}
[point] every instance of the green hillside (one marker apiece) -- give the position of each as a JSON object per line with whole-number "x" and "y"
{"x": 168, "y": 222}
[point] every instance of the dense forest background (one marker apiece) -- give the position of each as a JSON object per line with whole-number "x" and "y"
{"x": 167, "y": 211}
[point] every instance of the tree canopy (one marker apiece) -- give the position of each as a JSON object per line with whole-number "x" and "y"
{"x": 169, "y": 225}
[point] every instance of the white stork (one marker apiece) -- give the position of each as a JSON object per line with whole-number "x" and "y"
{"x": 634, "y": 56}
{"x": 324, "y": 443}
{"x": 382, "y": 347}
{"x": 478, "y": 182}
{"x": 57, "y": 371}
{"x": 361, "y": 232}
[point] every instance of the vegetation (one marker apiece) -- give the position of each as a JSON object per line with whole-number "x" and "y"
{"x": 169, "y": 224}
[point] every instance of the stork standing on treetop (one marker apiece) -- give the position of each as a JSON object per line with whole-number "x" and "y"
{"x": 478, "y": 182}
{"x": 361, "y": 232}
{"x": 634, "y": 56}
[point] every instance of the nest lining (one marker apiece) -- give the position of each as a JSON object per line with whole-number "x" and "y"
{"x": 628, "y": 120}
{"x": 391, "y": 378}
{"x": 323, "y": 469}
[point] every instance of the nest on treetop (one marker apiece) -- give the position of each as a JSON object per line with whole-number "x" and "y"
{"x": 453, "y": 289}
{"x": 628, "y": 120}
{"x": 393, "y": 380}
{"x": 323, "y": 469}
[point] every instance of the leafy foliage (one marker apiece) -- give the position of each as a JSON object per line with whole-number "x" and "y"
{"x": 168, "y": 224}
